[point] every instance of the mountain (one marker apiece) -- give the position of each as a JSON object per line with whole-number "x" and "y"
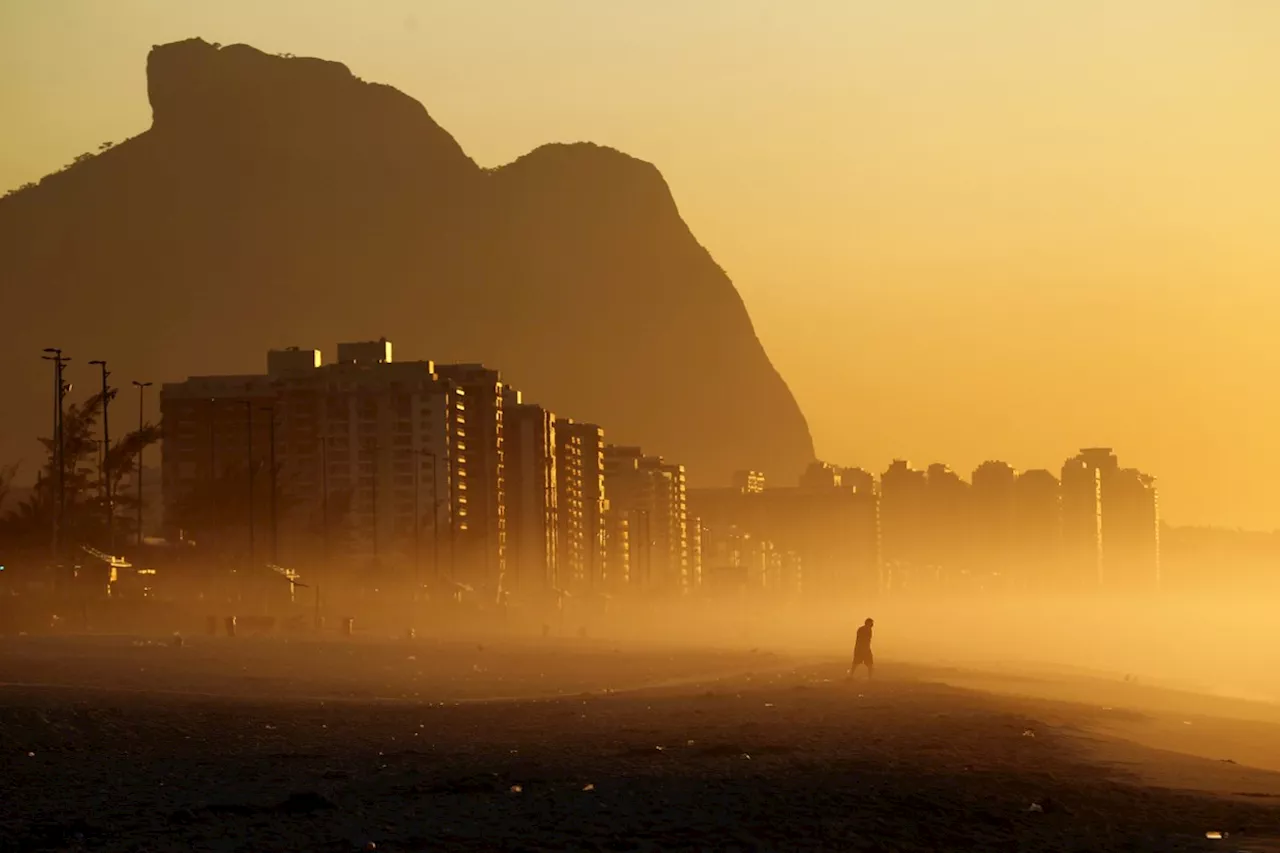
{"x": 282, "y": 201}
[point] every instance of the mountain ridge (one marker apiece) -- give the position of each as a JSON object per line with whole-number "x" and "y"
{"x": 277, "y": 200}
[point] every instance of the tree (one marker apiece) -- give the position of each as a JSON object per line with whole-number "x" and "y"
{"x": 83, "y": 512}
{"x": 7, "y": 473}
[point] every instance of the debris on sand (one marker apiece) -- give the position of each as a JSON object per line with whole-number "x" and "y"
{"x": 305, "y": 802}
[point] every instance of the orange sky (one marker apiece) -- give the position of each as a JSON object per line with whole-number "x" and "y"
{"x": 968, "y": 230}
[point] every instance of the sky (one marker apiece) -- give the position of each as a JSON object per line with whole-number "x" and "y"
{"x": 994, "y": 229}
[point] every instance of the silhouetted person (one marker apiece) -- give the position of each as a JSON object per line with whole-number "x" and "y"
{"x": 862, "y": 650}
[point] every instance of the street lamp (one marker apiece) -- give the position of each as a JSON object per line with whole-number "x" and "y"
{"x": 103, "y": 474}
{"x": 142, "y": 390}
{"x": 60, "y": 390}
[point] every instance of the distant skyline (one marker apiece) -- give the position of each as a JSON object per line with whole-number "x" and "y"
{"x": 963, "y": 230}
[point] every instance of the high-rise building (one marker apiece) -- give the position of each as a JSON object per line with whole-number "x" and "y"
{"x": 292, "y": 360}
{"x": 1082, "y": 508}
{"x": 1037, "y": 531}
{"x": 217, "y": 434}
{"x": 696, "y": 532}
{"x": 1130, "y": 532}
{"x": 820, "y": 537}
{"x": 362, "y": 460}
{"x": 617, "y": 548}
{"x": 365, "y": 352}
{"x": 651, "y": 495}
{"x": 532, "y": 500}
{"x": 947, "y": 529}
{"x": 819, "y": 476}
{"x": 580, "y": 481}
{"x": 629, "y": 515}
{"x": 748, "y": 482}
{"x": 860, "y": 481}
{"x": 903, "y": 526}
{"x": 482, "y": 547}
{"x": 993, "y": 497}
{"x": 669, "y": 528}
{"x": 834, "y": 528}
{"x": 738, "y": 561}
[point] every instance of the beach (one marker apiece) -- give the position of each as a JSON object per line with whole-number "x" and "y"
{"x": 262, "y": 744}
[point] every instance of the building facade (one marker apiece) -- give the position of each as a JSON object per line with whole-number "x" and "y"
{"x": 532, "y": 501}
{"x": 360, "y": 463}
{"x": 482, "y": 547}
{"x": 580, "y": 481}
{"x": 651, "y": 495}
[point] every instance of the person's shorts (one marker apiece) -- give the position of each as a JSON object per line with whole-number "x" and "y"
{"x": 863, "y": 658}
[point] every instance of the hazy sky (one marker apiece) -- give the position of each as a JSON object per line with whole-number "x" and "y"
{"x": 964, "y": 230}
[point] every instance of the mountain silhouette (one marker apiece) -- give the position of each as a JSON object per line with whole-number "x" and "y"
{"x": 280, "y": 201}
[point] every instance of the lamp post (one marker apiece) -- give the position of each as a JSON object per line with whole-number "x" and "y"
{"x": 142, "y": 391}
{"x": 372, "y": 445}
{"x": 248, "y": 414}
{"x": 103, "y": 473}
{"x": 324, "y": 497}
{"x": 271, "y": 460}
{"x": 60, "y": 390}
{"x": 417, "y": 530}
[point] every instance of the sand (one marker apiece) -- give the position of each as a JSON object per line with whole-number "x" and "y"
{"x": 262, "y": 745}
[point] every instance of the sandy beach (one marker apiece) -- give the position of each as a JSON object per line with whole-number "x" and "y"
{"x": 263, "y": 745}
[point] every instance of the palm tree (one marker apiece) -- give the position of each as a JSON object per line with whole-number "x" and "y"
{"x": 84, "y": 516}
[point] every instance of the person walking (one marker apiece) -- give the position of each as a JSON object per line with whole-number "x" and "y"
{"x": 862, "y": 650}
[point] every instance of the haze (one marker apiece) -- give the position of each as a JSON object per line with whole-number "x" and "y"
{"x": 1045, "y": 225}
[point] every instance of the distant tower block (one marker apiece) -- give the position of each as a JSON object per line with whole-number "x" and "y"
{"x": 365, "y": 352}
{"x": 292, "y": 360}
{"x": 748, "y": 482}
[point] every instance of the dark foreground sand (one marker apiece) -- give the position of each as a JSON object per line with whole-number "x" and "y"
{"x": 262, "y": 745}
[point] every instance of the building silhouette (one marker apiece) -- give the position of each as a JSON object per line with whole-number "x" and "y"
{"x": 993, "y": 515}
{"x": 748, "y": 482}
{"x": 364, "y": 459}
{"x": 904, "y": 532}
{"x": 582, "y": 504}
{"x": 533, "y": 570}
{"x": 1130, "y": 532}
{"x": 1037, "y": 531}
{"x": 820, "y": 537}
{"x": 443, "y": 477}
{"x": 946, "y": 529}
{"x": 650, "y": 495}
{"x": 482, "y": 545}
{"x": 617, "y": 547}
{"x": 1082, "y": 477}
{"x": 1110, "y": 524}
